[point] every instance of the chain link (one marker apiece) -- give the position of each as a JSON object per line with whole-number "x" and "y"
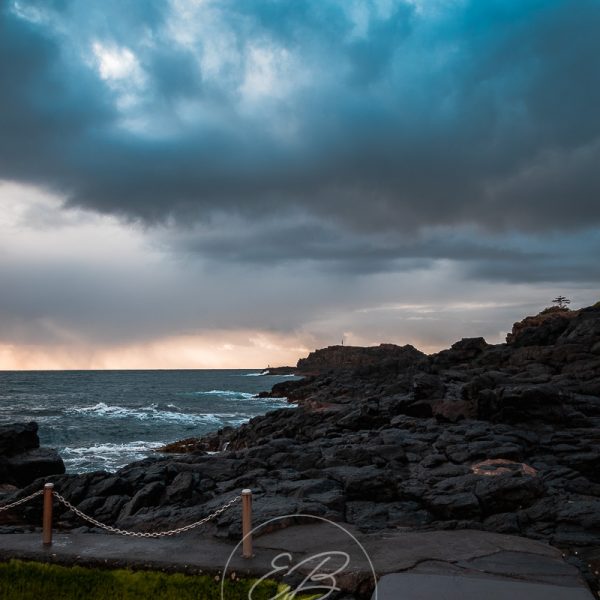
{"x": 140, "y": 534}
{"x": 143, "y": 534}
{"x": 21, "y": 501}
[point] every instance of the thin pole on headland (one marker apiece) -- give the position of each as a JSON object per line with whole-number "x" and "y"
{"x": 47, "y": 518}
{"x": 247, "y": 523}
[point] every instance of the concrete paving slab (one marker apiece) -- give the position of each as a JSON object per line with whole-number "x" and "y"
{"x": 539, "y": 571}
{"x": 411, "y": 586}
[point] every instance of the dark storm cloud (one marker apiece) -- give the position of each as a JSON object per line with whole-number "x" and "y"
{"x": 277, "y": 241}
{"x": 454, "y": 114}
{"x": 44, "y": 112}
{"x": 533, "y": 258}
{"x": 551, "y": 259}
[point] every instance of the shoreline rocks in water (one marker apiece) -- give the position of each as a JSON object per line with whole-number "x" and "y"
{"x": 279, "y": 371}
{"x": 22, "y": 461}
{"x": 498, "y": 437}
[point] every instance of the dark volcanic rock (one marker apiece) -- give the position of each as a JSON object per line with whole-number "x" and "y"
{"x": 280, "y": 371}
{"x": 463, "y": 351}
{"x": 507, "y": 492}
{"x": 21, "y": 459}
{"x": 28, "y": 466}
{"x": 18, "y": 437}
{"x": 353, "y": 357}
{"x": 541, "y": 330}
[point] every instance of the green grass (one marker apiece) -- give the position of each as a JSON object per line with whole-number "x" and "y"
{"x": 38, "y": 581}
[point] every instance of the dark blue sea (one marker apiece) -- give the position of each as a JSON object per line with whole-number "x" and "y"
{"x": 106, "y": 419}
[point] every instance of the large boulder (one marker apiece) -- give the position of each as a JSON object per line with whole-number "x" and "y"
{"x": 462, "y": 351}
{"x": 22, "y": 461}
{"x": 18, "y": 437}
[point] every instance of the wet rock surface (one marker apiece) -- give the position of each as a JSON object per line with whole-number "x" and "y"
{"x": 503, "y": 438}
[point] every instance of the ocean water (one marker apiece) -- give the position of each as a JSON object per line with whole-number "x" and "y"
{"x": 106, "y": 419}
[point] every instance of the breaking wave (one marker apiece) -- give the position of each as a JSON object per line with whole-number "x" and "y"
{"x": 152, "y": 412}
{"x": 110, "y": 456}
{"x": 227, "y": 394}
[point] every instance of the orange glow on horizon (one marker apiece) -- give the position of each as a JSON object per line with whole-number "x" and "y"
{"x": 231, "y": 350}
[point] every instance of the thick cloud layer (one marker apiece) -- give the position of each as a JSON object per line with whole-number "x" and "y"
{"x": 429, "y": 113}
{"x": 295, "y": 167}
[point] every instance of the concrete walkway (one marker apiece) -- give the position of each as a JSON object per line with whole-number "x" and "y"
{"x": 409, "y": 586}
{"x": 445, "y": 565}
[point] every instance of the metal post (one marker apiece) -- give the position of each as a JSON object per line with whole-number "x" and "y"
{"x": 247, "y": 523}
{"x": 47, "y": 519}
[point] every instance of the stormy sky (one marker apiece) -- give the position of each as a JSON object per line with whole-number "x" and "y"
{"x": 218, "y": 183}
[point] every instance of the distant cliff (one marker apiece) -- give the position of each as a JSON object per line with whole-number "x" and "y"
{"x": 353, "y": 357}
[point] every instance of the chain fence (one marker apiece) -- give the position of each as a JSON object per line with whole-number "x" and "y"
{"x": 21, "y": 501}
{"x": 111, "y": 529}
{"x": 145, "y": 534}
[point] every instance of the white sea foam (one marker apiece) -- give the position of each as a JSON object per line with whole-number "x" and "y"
{"x": 151, "y": 412}
{"x": 112, "y": 456}
{"x": 227, "y": 394}
{"x": 275, "y": 403}
{"x": 267, "y": 372}
{"x": 106, "y": 449}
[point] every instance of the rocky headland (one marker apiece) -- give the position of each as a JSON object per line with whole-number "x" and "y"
{"x": 504, "y": 438}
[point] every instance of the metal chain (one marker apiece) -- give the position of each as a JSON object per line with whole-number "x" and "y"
{"x": 141, "y": 534}
{"x": 21, "y": 501}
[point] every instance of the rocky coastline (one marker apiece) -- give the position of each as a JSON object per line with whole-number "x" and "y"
{"x": 503, "y": 438}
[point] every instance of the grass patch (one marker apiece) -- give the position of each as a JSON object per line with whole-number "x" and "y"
{"x": 21, "y": 580}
